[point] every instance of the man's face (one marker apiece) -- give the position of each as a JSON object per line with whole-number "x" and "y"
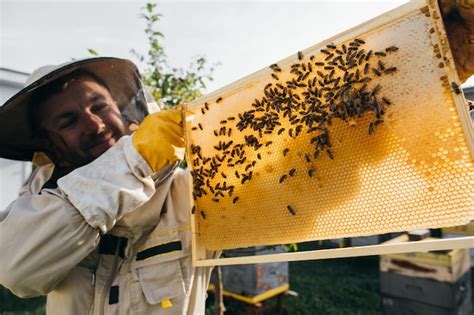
{"x": 82, "y": 122}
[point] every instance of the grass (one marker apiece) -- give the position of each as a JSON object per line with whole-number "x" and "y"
{"x": 335, "y": 286}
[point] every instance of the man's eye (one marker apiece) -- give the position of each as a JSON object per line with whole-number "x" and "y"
{"x": 97, "y": 108}
{"x": 65, "y": 124}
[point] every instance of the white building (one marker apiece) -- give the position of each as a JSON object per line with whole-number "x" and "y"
{"x": 12, "y": 173}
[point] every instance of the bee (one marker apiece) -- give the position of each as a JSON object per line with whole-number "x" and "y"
{"x": 268, "y": 86}
{"x": 268, "y": 143}
{"x": 291, "y": 210}
{"x": 223, "y": 121}
{"x": 366, "y": 68}
{"x": 275, "y": 76}
{"x": 376, "y": 89}
{"x": 206, "y": 106}
{"x": 371, "y": 128}
{"x": 381, "y": 65}
{"x": 202, "y": 111}
{"x": 311, "y": 172}
{"x": 235, "y": 199}
{"x": 358, "y": 40}
{"x": 285, "y": 152}
{"x": 229, "y": 132}
{"x": 331, "y": 46}
{"x": 282, "y": 179}
{"x": 390, "y": 70}
{"x": 386, "y": 101}
{"x": 292, "y": 172}
{"x": 319, "y": 63}
{"x": 275, "y": 67}
{"x": 330, "y": 154}
{"x": 378, "y": 122}
{"x": 307, "y": 157}
{"x": 376, "y": 72}
{"x": 259, "y": 156}
{"x": 219, "y": 100}
{"x": 194, "y": 128}
{"x": 344, "y": 49}
{"x": 200, "y": 126}
{"x": 203, "y": 214}
{"x": 193, "y": 209}
{"x": 391, "y": 49}
{"x": 456, "y": 88}
{"x": 329, "y": 57}
{"x": 237, "y": 174}
{"x": 224, "y": 175}
{"x": 325, "y": 51}
{"x": 369, "y": 54}
{"x": 231, "y": 118}
{"x": 380, "y": 53}
{"x": 281, "y": 131}
{"x": 311, "y": 57}
{"x": 300, "y": 55}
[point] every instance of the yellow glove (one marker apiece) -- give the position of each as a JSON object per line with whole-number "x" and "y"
{"x": 160, "y": 138}
{"x": 459, "y": 21}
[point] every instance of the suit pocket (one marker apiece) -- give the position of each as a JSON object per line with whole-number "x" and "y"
{"x": 161, "y": 282}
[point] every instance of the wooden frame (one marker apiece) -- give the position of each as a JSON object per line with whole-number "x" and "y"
{"x": 386, "y": 248}
{"x": 199, "y": 252}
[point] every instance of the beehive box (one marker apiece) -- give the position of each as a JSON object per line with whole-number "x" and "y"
{"x": 365, "y": 133}
{"x": 406, "y": 295}
{"x": 445, "y": 266}
{"x": 257, "y": 282}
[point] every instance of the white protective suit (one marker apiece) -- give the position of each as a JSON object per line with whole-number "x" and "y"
{"x": 50, "y": 239}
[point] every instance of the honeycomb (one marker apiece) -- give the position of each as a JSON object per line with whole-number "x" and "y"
{"x": 381, "y": 149}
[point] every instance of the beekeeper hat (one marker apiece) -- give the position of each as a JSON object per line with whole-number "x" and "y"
{"x": 120, "y": 76}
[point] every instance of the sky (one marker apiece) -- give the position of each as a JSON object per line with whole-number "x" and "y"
{"x": 242, "y": 36}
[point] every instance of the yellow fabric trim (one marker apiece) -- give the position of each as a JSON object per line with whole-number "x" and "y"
{"x": 161, "y": 233}
{"x": 256, "y": 299}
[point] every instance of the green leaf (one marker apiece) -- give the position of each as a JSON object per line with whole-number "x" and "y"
{"x": 150, "y": 6}
{"x": 93, "y": 52}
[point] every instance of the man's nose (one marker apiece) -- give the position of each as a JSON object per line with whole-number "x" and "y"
{"x": 93, "y": 123}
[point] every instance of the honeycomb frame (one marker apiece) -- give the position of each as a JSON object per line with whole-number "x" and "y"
{"x": 413, "y": 171}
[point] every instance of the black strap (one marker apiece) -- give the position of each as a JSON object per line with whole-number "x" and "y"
{"x": 114, "y": 295}
{"x": 108, "y": 245}
{"x": 159, "y": 249}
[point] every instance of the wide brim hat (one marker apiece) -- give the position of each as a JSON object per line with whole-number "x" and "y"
{"x": 121, "y": 77}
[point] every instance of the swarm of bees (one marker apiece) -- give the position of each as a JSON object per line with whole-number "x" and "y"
{"x": 318, "y": 93}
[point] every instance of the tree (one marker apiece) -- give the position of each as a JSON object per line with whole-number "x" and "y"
{"x": 172, "y": 86}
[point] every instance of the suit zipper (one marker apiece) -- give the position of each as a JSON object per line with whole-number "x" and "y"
{"x": 110, "y": 279}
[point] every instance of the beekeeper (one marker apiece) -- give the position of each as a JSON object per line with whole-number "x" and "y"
{"x": 103, "y": 224}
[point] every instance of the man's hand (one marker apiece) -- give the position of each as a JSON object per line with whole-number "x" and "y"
{"x": 459, "y": 21}
{"x": 160, "y": 138}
